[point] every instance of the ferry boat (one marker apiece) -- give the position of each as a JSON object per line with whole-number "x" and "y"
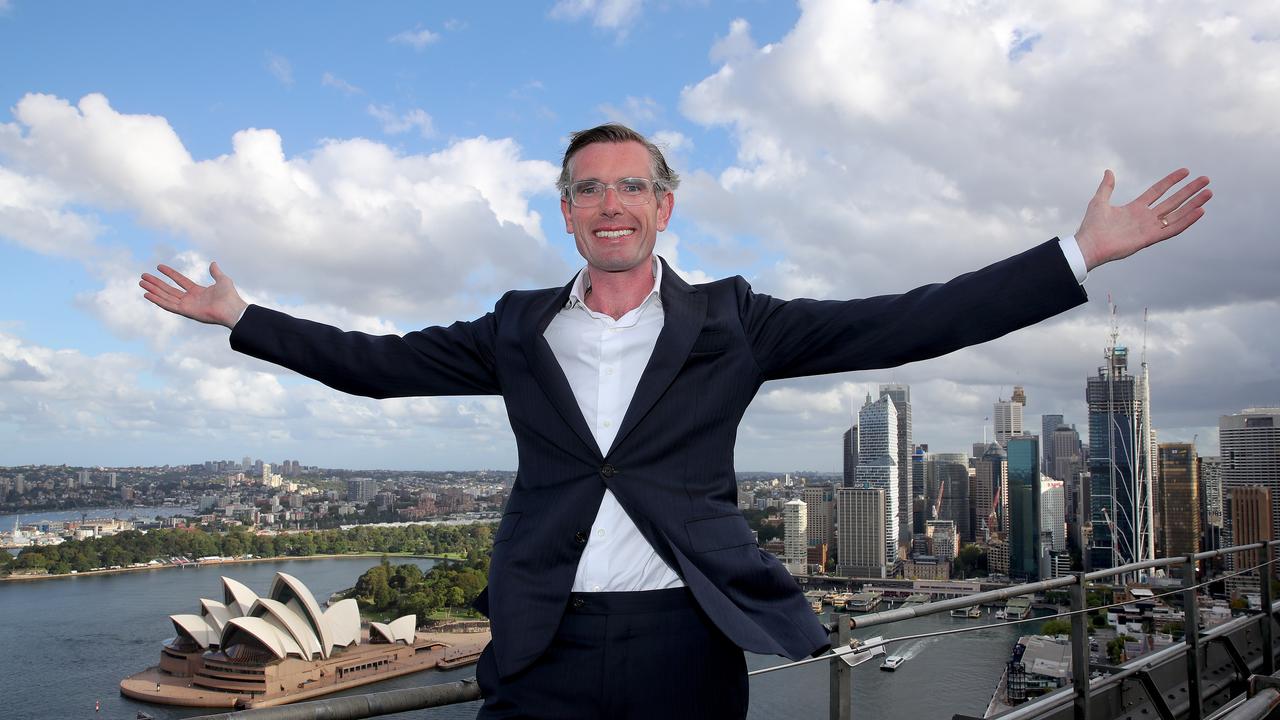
{"x": 864, "y": 601}
{"x": 840, "y": 600}
{"x": 859, "y": 656}
{"x": 1017, "y": 608}
{"x": 893, "y": 662}
{"x": 973, "y": 612}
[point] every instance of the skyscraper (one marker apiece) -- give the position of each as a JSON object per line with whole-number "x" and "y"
{"x": 951, "y": 473}
{"x": 878, "y": 463}
{"x": 1053, "y": 516}
{"x": 1249, "y": 521}
{"x": 988, "y": 478}
{"x": 860, "y": 532}
{"x": 795, "y": 536}
{"x": 1006, "y": 416}
{"x": 1179, "y": 501}
{"x": 820, "y": 501}
{"x": 1249, "y": 442}
{"x": 1024, "y": 507}
{"x": 1212, "y": 506}
{"x": 1120, "y": 495}
{"x": 1048, "y": 423}
{"x": 1066, "y": 457}
{"x": 900, "y": 394}
{"x": 850, "y": 456}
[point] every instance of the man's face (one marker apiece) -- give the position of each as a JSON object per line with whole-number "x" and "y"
{"x": 614, "y": 237}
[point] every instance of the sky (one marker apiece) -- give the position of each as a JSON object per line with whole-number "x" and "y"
{"x": 389, "y": 166}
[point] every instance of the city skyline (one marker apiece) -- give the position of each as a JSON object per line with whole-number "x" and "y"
{"x": 390, "y": 169}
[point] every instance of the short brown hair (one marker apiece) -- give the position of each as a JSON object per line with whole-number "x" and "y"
{"x": 664, "y": 178}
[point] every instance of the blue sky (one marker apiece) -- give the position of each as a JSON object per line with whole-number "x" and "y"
{"x": 388, "y": 166}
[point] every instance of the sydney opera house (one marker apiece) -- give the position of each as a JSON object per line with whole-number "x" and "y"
{"x": 252, "y": 651}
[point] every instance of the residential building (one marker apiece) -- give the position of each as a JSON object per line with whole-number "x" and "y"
{"x": 900, "y": 394}
{"x": 1053, "y": 516}
{"x": 1006, "y": 416}
{"x": 795, "y": 536}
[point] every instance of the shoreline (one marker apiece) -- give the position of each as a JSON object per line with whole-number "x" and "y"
{"x": 229, "y": 561}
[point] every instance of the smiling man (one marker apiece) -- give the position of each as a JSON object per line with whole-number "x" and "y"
{"x": 624, "y": 582}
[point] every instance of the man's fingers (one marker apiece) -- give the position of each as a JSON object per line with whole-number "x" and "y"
{"x": 153, "y": 284}
{"x": 1155, "y": 192}
{"x": 182, "y": 280}
{"x": 1106, "y": 187}
{"x": 1192, "y": 209}
{"x": 216, "y": 272}
{"x": 161, "y": 301}
{"x": 1176, "y": 200}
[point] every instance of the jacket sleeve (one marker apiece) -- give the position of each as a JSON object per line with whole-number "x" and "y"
{"x": 812, "y": 337}
{"x": 453, "y": 360}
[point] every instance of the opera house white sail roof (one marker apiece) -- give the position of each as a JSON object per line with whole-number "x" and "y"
{"x": 287, "y": 622}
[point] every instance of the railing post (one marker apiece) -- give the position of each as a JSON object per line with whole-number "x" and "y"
{"x": 1267, "y": 571}
{"x": 841, "y": 694}
{"x": 1191, "y": 623}
{"x": 1080, "y": 649}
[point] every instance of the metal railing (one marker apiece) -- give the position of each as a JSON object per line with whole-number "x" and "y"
{"x": 1087, "y": 697}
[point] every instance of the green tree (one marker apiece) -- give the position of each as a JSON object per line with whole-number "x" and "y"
{"x": 1056, "y": 626}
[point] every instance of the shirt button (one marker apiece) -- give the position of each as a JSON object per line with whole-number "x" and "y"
{"x": 600, "y": 532}
{"x": 580, "y": 537}
{"x": 608, "y": 423}
{"x": 608, "y": 371}
{"x": 595, "y": 588}
{"x": 607, "y": 471}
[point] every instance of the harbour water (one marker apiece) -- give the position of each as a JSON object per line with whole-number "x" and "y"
{"x": 68, "y": 642}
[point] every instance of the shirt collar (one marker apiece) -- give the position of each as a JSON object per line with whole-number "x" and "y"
{"x": 582, "y": 283}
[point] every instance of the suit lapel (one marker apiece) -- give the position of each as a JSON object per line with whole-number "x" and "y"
{"x": 684, "y": 308}
{"x": 547, "y": 372}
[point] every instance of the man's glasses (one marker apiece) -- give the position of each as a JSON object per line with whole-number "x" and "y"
{"x": 590, "y": 193}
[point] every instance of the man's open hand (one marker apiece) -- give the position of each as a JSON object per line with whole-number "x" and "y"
{"x": 216, "y": 304}
{"x": 1109, "y": 232}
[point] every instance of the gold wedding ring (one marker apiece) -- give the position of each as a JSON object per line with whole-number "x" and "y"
{"x": 1164, "y": 222}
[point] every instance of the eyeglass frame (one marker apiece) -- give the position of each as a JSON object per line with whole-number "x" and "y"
{"x": 654, "y": 185}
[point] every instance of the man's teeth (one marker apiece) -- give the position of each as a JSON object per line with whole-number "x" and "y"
{"x": 613, "y": 233}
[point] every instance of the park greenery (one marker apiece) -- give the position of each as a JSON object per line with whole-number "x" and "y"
{"x": 387, "y": 592}
{"x": 462, "y": 542}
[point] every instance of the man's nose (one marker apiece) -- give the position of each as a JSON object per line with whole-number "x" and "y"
{"x": 611, "y": 203}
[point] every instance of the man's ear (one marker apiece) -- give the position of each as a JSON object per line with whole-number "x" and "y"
{"x": 666, "y": 204}
{"x": 567, "y": 211}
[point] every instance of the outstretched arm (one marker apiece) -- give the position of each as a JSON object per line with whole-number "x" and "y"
{"x": 1110, "y": 232}
{"x": 216, "y": 304}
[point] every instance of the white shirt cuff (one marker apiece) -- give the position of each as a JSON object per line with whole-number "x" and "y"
{"x": 1075, "y": 258}
{"x": 246, "y": 307}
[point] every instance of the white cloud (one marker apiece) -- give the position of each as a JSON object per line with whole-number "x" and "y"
{"x": 634, "y": 111}
{"x": 91, "y": 409}
{"x": 606, "y": 14}
{"x": 736, "y": 45}
{"x": 874, "y": 134}
{"x": 416, "y": 39}
{"x": 395, "y": 124}
{"x": 884, "y": 145}
{"x": 333, "y": 81}
{"x": 352, "y": 223}
{"x": 280, "y": 68}
{"x": 455, "y": 25}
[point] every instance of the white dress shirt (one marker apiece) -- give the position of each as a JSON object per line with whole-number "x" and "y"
{"x": 603, "y": 359}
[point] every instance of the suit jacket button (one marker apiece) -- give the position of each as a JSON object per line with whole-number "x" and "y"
{"x": 607, "y": 471}
{"x": 580, "y": 537}
{"x": 578, "y": 603}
